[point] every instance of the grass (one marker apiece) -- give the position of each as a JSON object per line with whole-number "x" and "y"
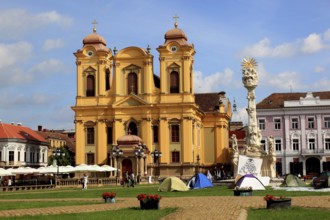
{"x": 289, "y": 213}
{"x": 41, "y": 204}
{"x": 128, "y": 213}
{"x": 149, "y": 189}
{"x": 83, "y": 197}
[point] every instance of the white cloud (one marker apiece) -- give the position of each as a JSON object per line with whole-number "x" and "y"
{"x": 319, "y": 69}
{"x": 12, "y": 54}
{"x": 51, "y": 44}
{"x": 48, "y": 67}
{"x": 213, "y": 82}
{"x": 17, "y": 22}
{"x": 8, "y": 99}
{"x": 263, "y": 49}
{"x": 312, "y": 44}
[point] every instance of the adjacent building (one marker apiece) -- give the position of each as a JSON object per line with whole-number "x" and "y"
{"x": 119, "y": 95}
{"x": 21, "y": 146}
{"x": 300, "y": 125}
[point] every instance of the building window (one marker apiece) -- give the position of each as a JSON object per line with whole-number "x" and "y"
{"x": 155, "y": 133}
{"x": 43, "y": 157}
{"x": 90, "y": 159}
{"x": 311, "y": 143}
{"x": 132, "y": 85}
{"x": 277, "y": 123}
{"x": 11, "y": 156}
{"x": 90, "y": 86}
{"x": 278, "y": 144}
{"x": 263, "y": 144}
{"x": 109, "y": 135}
{"x": 31, "y": 157}
{"x": 310, "y": 122}
{"x": 294, "y": 123}
{"x": 90, "y": 135}
{"x": 1, "y": 156}
{"x": 295, "y": 144}
{"x": 174, "y": 82}
{"x": 107, "y": 80}
{"x": 175, "y": 133}
{"x": 18, "y": 156}
{"x": 262, "y": 125}
{"x": 25, "y": 156}
{"x": 175, "y": 157}
{"x": 327, "y": 122}
{"x": 327, "y": 143}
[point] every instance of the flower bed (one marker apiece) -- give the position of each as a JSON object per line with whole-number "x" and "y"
{"x": 148, "y": 201}
{"x": 243, "y": 191}
{"x": 109, "y": 197}
{"x": 277, "y": 202}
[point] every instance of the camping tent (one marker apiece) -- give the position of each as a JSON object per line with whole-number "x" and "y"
{"x": 172, "y": 184}
{"x": 249, "y": 180}
{"x": 199, "y": 181}
{"x": 292, "y": 180}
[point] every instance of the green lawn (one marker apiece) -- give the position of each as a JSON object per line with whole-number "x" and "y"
{"x": 95, "y": 193}
{"x": 289, "y": 213}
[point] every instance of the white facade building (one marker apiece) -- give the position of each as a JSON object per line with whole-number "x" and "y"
{"x": 21, "y": 147}
{"x": 300, "y": 125}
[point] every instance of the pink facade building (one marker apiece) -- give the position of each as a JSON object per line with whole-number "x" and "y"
{"x": 300, "y": 125}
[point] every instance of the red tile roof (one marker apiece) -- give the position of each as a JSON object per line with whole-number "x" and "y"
{"x": 12, "y": 131}
{"x": 207, "y": 102}
{"x": 55, "y": 135}
{"x": 276, "y": 100}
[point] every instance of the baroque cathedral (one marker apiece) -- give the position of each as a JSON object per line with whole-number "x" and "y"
{"x": 122, "y": 105}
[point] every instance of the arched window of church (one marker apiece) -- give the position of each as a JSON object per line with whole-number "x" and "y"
{"x": 174, "y": 82}
{"x": 133, "y": 128}
{"x": 107, "y": 79}
{"x": 90, "y": 86}
{"x": 132, "y": 85}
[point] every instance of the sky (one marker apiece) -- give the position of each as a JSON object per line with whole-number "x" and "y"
{"x": 289, "y": 39}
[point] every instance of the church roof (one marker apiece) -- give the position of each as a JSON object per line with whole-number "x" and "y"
{"x": 177, "y": 35}
{"x": 129, "y": 139}
{"x": 13, "y": 131}
{"x": 95, "y": 40}
{"x": 208, "y": 102}
{"x": 276, "y": 100}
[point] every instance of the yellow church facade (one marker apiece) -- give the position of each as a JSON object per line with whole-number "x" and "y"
{"x": 119, "y": 97}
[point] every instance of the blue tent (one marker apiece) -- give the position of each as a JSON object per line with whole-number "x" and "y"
{"x": 199, "y": 181}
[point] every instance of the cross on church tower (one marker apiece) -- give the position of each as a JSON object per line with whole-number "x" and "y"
{"x": 175, "y": 17}
{"x": 94, "y": 23}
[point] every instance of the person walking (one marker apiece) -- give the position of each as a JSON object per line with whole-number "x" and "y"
{"x": 85, "y": 181}
{"x": 132, "y": 179}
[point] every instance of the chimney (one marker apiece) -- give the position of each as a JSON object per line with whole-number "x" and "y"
{"x": 39, "y": 127}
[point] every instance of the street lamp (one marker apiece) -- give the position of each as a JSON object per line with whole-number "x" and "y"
{"x": 198, "y": 159}
{"x": 139, "y": 153}
{"x": 58, "y": 154}
{"x": 116, "y": 153}
{"x": 156, "y": 155}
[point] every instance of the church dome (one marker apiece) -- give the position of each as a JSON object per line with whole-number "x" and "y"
{"x": 94, "y": 38}
{"x": 176, "y": 34}
{"x": 129, "y": 140}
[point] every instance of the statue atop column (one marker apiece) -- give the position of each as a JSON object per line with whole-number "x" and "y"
{"x": 250, "y": 82}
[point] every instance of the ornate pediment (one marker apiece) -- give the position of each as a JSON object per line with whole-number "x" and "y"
{"x": 131, "y": 100}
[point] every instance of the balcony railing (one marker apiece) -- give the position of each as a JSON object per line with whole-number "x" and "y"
{"x": 312, "y": 151}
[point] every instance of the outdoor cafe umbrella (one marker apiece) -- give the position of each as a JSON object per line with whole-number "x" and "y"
{"x": 22, "y": 170}
{"x": 107, "y": 168}
{"x": 4, "y": 172}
